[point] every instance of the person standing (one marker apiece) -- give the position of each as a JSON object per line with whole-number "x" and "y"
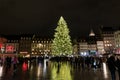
{"x": 117, "y": 62}
{"x": 111, "y": 66}
{"x": 15, "y": 61}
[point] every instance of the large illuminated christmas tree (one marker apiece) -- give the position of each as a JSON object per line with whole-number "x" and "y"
{"x": 62, "y": 41}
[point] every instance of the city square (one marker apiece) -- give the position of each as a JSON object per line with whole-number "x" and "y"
{"x": 27, "y": 56}
{"x": 59, "y": 40}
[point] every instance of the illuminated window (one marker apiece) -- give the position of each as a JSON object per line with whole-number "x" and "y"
{"x": 105, "y": 45}
{"x": 110, "y": 44}
{"x": 32, "y": 49}
{"x": 116, "y": 45}
{"x": 104, "y": 41}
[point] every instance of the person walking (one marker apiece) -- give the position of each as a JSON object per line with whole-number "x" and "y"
{"x": 111, "y": 66}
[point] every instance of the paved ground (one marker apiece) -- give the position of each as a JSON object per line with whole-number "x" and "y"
{"x": 52, "y": 71}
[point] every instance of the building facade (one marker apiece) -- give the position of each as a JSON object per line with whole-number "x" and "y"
{"x": 92, "y": 45}
{"x": 83, "y": 48}
{"x": 41, "y": 46}
{"x": 117, "y": 42}
{"x": 107, "y": 33}
{"x": 35, "y": 45}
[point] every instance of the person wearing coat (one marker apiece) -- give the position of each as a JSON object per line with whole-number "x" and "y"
{"x": 117, "y": 62}
{"x": 112, "y": 66}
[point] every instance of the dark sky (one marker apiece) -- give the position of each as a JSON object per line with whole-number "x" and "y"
{"x": 41, "y": 16}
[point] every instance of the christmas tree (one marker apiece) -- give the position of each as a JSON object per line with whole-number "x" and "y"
{"x": 62, "y": 41}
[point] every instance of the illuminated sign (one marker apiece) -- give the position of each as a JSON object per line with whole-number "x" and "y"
{"x": 23, "y": 52}
{"x": 10, "y": 48}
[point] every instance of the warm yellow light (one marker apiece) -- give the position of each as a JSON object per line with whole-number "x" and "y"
{"x": 32, "y": 49}
{"x": 63, "y": 73}
{"x": 27, "y": 55}
{"x": 40, "y": 44}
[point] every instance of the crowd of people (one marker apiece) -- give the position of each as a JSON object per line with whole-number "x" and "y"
{"x": 82, "y": 61}
{"x": 88, "y": 62}
{"x": 93, "y": 62}
{"x": 9, "y": 62}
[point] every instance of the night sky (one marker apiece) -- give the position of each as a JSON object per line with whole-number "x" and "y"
{"x": 41, "y": 16}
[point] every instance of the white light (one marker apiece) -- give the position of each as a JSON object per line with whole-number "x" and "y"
{"x": 85, "y": 53}
{"x": 44, "y": 68}
{"x": 81, "y": 53}
{"x": 105, "y": 70}
{"x": 31, "y": 68}
{"x": 1, "y": 70}
{"x": 39, "y": 70}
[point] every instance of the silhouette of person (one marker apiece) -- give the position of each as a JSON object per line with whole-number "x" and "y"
{"x": 111, "y": 66}
{"x": 117, "y": 62}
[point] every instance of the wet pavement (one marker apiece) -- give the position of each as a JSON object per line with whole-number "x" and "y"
{"x": 48, "y": 70}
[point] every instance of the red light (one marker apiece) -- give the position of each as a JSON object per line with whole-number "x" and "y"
{"x": 9, "y": 48}
{"x": 24, "y": 66}
{"x": 1, "y": 46}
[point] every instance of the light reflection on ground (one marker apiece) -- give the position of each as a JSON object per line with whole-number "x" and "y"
{"x": 48, "y": 70}
{"x": 1, "y": 71}
{"x": 60, "y": 71}
{"x": 105, "y": 71}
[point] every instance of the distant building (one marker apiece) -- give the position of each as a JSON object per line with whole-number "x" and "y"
{"x": 83, "y": 47}
{"x": 92, "y": 33}
{"x": 30, "y": 45}
{"x": 92, "y": 47}
{"x": 40, "y": 46}
{"x": 25, "y": 44}
{"x": 100, "y": 45}
{"x": 12, "y": 47}
{"x": 3, "y": 41}
{"x": 75, "y": 47}
{"x": 117, "y": 41}
{"x": 107, "y": 33}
